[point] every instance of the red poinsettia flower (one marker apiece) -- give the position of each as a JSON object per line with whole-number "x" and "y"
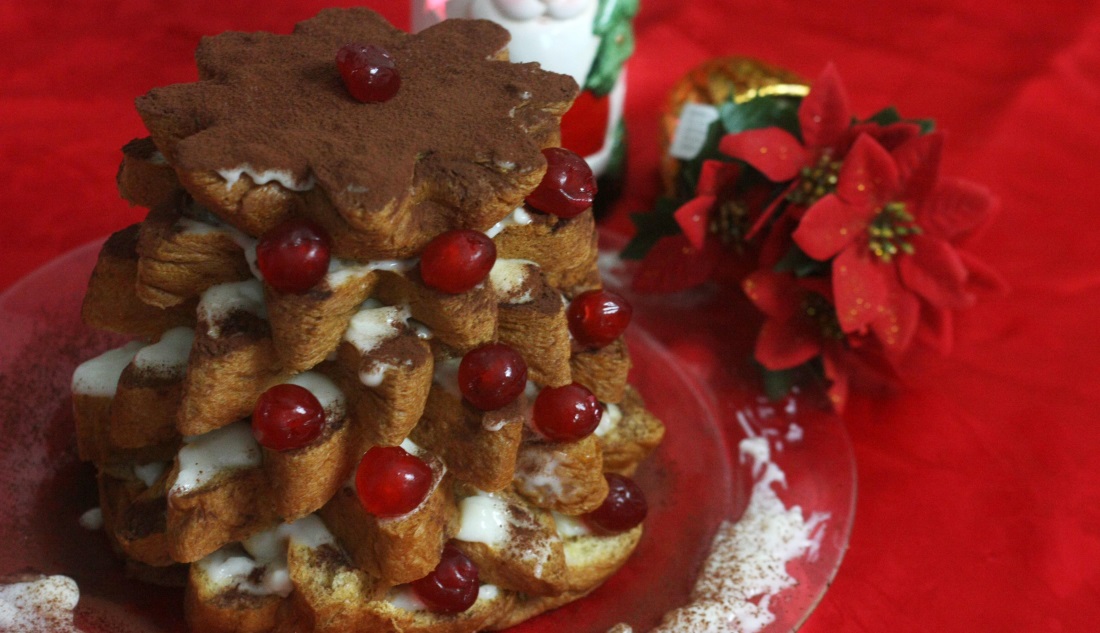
{"x": 825, "y": 119}
{"x": 888, "y": 230}
{"x": 715, "y": 180}
{"x": 954, "y": 212}
{"x": 801, "y": 325}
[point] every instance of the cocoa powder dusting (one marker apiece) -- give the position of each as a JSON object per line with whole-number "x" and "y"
{"x": 277, "y": 102}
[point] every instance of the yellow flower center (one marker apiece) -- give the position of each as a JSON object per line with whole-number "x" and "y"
{"x": 816, "y": 181}
{"x": 890, "y": 231}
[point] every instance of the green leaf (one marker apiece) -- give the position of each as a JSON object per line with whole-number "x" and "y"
{"x": 777, "y": 384}
{"x": 796, "y": 261}
{"x": 886, "y": 116}
{"x": 890, "y": 116}
{"x": 761, "y": 112}
{"x": 927, "y": 126}
{"x": 651, "y": 227}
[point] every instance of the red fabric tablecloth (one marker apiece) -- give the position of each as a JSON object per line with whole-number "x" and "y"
{"x": 979, "y": 505}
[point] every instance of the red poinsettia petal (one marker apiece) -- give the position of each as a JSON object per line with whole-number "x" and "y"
{"x": 830, "y": 225}
{"x": 937, "y": 329}
{"x": 982, "y": 277}
{"x": 773, "y": 151}
{"x": 918, "y": 163}
{"x": 837, "y": 375}
{"x": 869, "y": 175}
{"x": 786, "y": 344}
{"x": 956, "y": 209}
{"x": 777, "y": 243}
{"x": 674, "y": 264}
{"x": 715, "y": 176}
{"x": 936, "y": 272}
{"x": 769, "y": 211}
{"x": 821, "y": 286}
{"x": 898, "y": 319}
{"x": 860, "y": 288}
{"x": 890, "y": 137}
{"x": 824, "y": 114}
{"x": 775, "y": 294}
{"x": 694, "y": 218}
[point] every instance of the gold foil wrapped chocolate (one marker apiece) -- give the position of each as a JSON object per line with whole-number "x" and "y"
{"x": 717, "y": 81}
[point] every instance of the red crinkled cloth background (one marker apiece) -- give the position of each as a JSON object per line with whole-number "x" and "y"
{"x": 979, "y": 506}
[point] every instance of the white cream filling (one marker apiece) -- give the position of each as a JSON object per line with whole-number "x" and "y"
{"x": 235, "y": 567}
{"x": 483, "y": 518}
{"x": 99, "y": 376}
{"x": 403, "y": 597}
{"x": 508, "y": 277}
{"x": 612, "y": 416}
{"x": 205, "y": 456}
{"x": 92, "y": 519}
{"x": 219, "y": 301}
{"x": 327, "y": 393}
{"x": 570, "y": 526}
{"x": 519, "y": 217}
{"x": 372, "y": 326}
{"x": 149, "y": 473}
{"x": 168, "y": 356}
{"x": 446, "y": 376}
{"x": 537, "y": 471}
{"x": 262, "y": 177}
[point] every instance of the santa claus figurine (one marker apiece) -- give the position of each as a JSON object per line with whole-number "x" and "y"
{"x": 588, "y": 39}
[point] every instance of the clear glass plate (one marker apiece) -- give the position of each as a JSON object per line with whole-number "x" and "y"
{"x": 694, "y": 482}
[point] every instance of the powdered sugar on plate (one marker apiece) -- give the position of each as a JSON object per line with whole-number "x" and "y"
{"x": 44, "y": 604}
{"x": 747, "y": 564}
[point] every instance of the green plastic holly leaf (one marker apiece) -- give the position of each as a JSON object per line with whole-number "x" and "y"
{"x": 777, "y": 384}
{"x": 614, "y": 26}
{"x": 797, "y": 262}
{"x": 890, "y": 115}
{"x": 761, "y": 112}
{"x": 651, "y": 227}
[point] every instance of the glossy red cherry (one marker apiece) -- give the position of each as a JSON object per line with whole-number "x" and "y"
{"x": 568, "y": 188}
{"x": 456, "y": 261}
{"x": 492, "y": 376}
{"x": 293, "y": 257}
{"x": 598, "y": 317}
{"x": 369, "y": 72}
{"x": 567, "y": 413}
{"x": 623, "y": 509}
{"x": 287, "y": 417}
{"x": 452, "y": 587}
{"x": 391, "y": 481}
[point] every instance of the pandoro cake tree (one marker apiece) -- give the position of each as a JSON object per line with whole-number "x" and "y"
{"x": 375, "y": 382}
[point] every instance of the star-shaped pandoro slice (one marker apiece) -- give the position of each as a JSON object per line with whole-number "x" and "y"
{"x": 270, "y": 131}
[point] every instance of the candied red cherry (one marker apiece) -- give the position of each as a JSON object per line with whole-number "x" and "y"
{"x": 287, "y": 417}
{"x": 391, "y": 481}
{"x": 456, "y": 261}
{"x": 598, "y": 317}
{"x": 452, "y": 587}
{"x": 369, "y": 72}
{"x": 567, "y": 413}
{"x": 568, "y": 187}
{"x": 492, "y": 376}
{"x": 293, "y": 257}
{"x": 623, "y": 509}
